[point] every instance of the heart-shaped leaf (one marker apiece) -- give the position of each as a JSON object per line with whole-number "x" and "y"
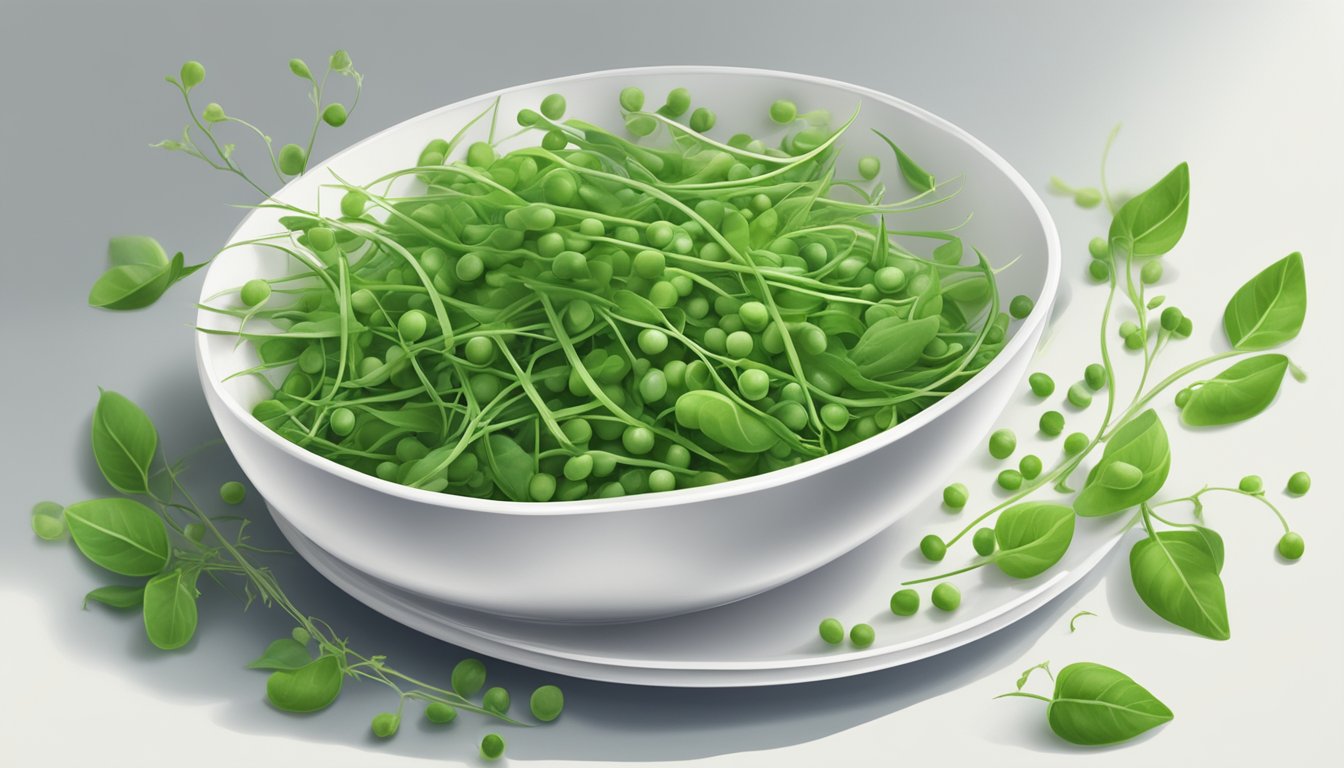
{"x": 1236, "y": 394}
{"x": 121, "y": 535}
{"x": 1152, "y": 222}
{"x": 1176, "y": 575}
{"x": 1095, "y": 705}
{"x": 1269, "y": 309}
{"x": 1032, "y": 537}
{"x": 170, "y": 609}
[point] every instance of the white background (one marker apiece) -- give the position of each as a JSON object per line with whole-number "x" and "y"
{"x": 1250, "y": 94}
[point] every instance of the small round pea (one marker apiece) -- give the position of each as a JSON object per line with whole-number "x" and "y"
{"x": 1030, "y": 466}
{"x": 663, "y": 480}
{"x": 783, "y": 111}
{"x": 1099, "y": 270}
{"x": 214, "y": 113}
{"x": 1041, "y": 384}
{"x": 702, "y": 119}
{"x": 554, "y": 140}
{"x": 353, "y": 203}
{"x": 984, "y": 542}
{"x": 469, "y": 267}
{"x": 232, "y": 492}
{"x": 652, "y": 341}
{"x": 869, "y": 167}
{"x": 1299, "y": 483}
{"x": 1251, "y": 484}
{"x": 553, "y": 106}
{"x": 889, "y": 279}
{"x": 480, "y": 350}
{"x": 547, "y": 703}
{"x": 579, "y": 467}
{"x": 905, "y": 602}
{"x": 193, "y": 73}
{"x": 653, "y": 385}
{"x": 1098, "y": 249}
{"x": 956, "y": 495}
{"x": 739, "y": 344}
{"x": 541, "y": 487}
{"x": 1171, "y": 318}
{"x": 439, "y": 713}
{"x": 933, "y": 548}
{"x": 385, "y": 724}
{"x": 946, "y": 597}
{"x": 1094, "y": 375}
{"x": 831, "y": 631}
{"x": 255, "y": 292}
{"x": 862, "y": 635}
{"x": 1079, "y": 395}
{"x": 1020, "y": 306}
{"x": 640, "y": 125}
{"x": 292, "y": 159}
{"x": 1052, "y": 423}
{"x": 637, "y": 440}
{"x": 1075, "y": 443}
{"x": 412, "y": 324}
{"x": 835, "y": 416}
{"x": 496, "y": 700}
{"x": 754, "y": 316}
{"x": 335, "y": 115}
{"x": 754, "y": 383}
{"x": 1291, "y": 545}
{"x": 1010, "y": 479}
{"x": 1184, "y": 328}
{"x": 678, "y": 101}
{"x": 632, "y": 99}
{"x": 1134, "y": 340}
{"x": 1151, "y": 272}
{"x": 342, "y": 421}
{"x": 492, "y": 746}
{"x": 1002, "y": 443}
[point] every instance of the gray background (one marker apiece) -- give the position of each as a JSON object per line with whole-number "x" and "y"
{"x": 1250, "y": 93}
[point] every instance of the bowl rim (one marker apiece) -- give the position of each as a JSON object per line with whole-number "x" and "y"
{"x": 682, "y": 496}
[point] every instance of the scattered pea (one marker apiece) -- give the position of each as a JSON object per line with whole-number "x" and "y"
{"x": 232, "y": 492}
{"x": 1002, "y": 443}
{"x": 1041, "y": 384}
{"x": 492, "y": 746}
{"x": 1020, "y": 306}
{"x": 1299, "y": 483}
{"x": 1030, "y": 466}
{"x": 832, "y": 631}
{"x": 1251, "y": 484}
{"x": 1099, "y": 270}
{"x": 869, "y": 167}
{"x": 933, "y": 548}
{"x": 905, "y": 602}
{"x": 553, "y": 106}
{"x": 956, "y": 495}
{"x": 547, "y": 703}
{"x": 496, "y": 700}
{"x": 984, "y": 542}
{"x": 1098, "y": 249}
{"x": 255, "y": 292}
{"x": 468, "y": 677}
{"x": 1010, "y": 479}
{"x": 1079, "y": 395}
{"x": 632, "y": 99}
{"x": 946, "y": 597}
{"x": 1291, "y": 546}
{"x": 440, "y": 713}
{"x": 343, "y": 421}
{"x": 1052, "y": 423}
{"x": 1075, "y": 443}
{"x": 385, "y": 724}
{"x": 1094, "y": 375}
{"x": 702, "y": 120}
{"x": 1151, "y": 272}
{"x": 862, "y": 635}
{"x": 783, "y": 111}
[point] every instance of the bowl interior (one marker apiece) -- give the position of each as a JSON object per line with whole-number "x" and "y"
{"x": 997, "y": 211}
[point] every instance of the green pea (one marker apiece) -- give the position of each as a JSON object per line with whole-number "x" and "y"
{"x": 783, "y": 111}
{"x": 739, "y": 344}
{"x": 492, "y": 746}
{"x": 869, "y": 167}
{"x": 547, "y": 703}
{"x": 1184, "y": 328}
{"x": 678, "y": 456}
{"x": 1010, "y": 479}
{"x": 193, "y": 531}
{"x": 353, "y": 203}
{"x": 232, "y": 492}
{"x": 905, "y": 602}
{"x": 1041, "y": 384}
{"x": 1098, "y": 248}
{"x": 1151, "y": 272}
{"x": 1087, "y": 197}
{"x": 578, "y": 467}
{"x": 1030, "y": 466}
{"x": 754, "y": 383}
{"x": 1079, "y": 395}
{"x": 335, "y": 115}
{"x": 567, "y": 265}
{"x": 413, "y": 323}
{"x": 984, "y": 542}
{"x": 862, "y": 635}
{"x": 255, "y": 292}
{"x": 1183, "y": 396}
{"x": 702, "y": 120}
{"x": 835, "y": 416}
{"x": 1099, "y": 270}
{"x": 496, "y": 700}
{"x": 662, "y": 480}
{"x": 956, "y": 495}
{"x": 1134, "y": 340}
{"x": 1291, "y": 546}
{"x": 342, "y": 421}
{"x": 440, "y": 713}
{"x": 385, "y": 724}
{"x": 469, "y": 267}
{"x": 678, "y": 101}
{"x": 214, "y": 113}
{"x": 541, "y": 487}
{"x": 832, "y": 631}
{"x": 1251, "y": 484}
{"x": 292, "y": 159}
{"x": 553, "y": 106}
{"x": 480, "y": 154}
{"x": 193, "y": 73}
{"x": 1094, "y": 376}
{"x": 1075, "y": 443}
{"x": 933, "y": 548}
{"x": 480, "y": 350}
{"x": 632, "y": 99}
{"x": 1002, "y": 443}
{"x": 1020, "y": 306}
{"x": 1299, "y": 483}
{"x": 1171, "y": 318}
{"x": 946, "y": 597}
{"x": 754, "y": 316}
{"x": 637, "y": 440}
{"x": 1052, "y": 423}
{"x": 889, "y": 279}
{"x": 653, "y": 386}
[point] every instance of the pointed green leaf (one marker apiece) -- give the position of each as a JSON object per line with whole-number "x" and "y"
{"x": 914, "y": 175}
{"x": 124, "y": 442}
{"x": 1176, "y": 575}
{"x": 1269, "y": 309}
{"x": 121, "y": 535}
{"x": 170, "y": 609}
{"x": 117, "y": 596}
{"x": 892, "y": 345}
{"x": 1152, "y": 222}
{"x": 1142, "y": 443}
{"x": 135, "y": 249}
{"x": 1236, "y": 394}
{"x": 285, "y": 653}
{"x": 1032, "y": 537}
{"x": 131, "y": 286}
{"x": 1095, "y": 705}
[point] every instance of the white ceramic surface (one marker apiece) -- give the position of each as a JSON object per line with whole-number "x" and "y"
{"x": 653, "y": 555}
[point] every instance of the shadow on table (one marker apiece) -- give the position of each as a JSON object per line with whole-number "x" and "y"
{"x": 602, "y": 721}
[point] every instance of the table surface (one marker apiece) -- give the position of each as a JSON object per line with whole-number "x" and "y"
{"x": 1251, "y": 94}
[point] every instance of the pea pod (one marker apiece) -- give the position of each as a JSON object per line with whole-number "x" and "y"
{"x": 892, "y": 345}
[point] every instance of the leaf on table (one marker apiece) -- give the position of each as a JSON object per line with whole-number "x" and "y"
{"x": 124, "y": 442}
{"x": 1153, "y": 221}
{"x": 1237, "y": 394}
{"x": 1270, "y": 308}
{"x": 1095, "y": 705}
{"x": 120, "y": 535}
{"x": 1176, "y": 575}
{"x": 170, "y": 609}
{"x": 1141, "y": 443}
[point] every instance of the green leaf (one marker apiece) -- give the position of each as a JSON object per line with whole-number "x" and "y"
{"x": 737, "y": 232}
{"x": 892, "y": 345}
{"x": 1269, "y": 309}
{"x": 1176, "y": 575}
{"x": 285, "y": 653}
{"x": 132, "y": 286}
{"x": 1095, "y": 705}
{"x": 1142, "y": 442}
{"x": 511, "y": 466}
{"x": 117, "y": 596}
{"x": 1236, "y": 394}
{"x": 135, "y": 249}
{"x": 121, "y": 535}
{"x": 1152, "y": 222}
{"x": 309, "y": 688}
{"x": 914, "y": 175}
{"x": 1032, "y": 537}
{"x": 1204, "y": 538}
{"x": 170, "y": 609}
{"x": 724, "y": 421}
{"x": 124, "y": 442}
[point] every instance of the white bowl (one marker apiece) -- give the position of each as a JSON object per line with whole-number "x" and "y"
{"x": 638, "y": 557}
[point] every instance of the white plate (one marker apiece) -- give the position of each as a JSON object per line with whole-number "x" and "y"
{"x": 770, "y": 639}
